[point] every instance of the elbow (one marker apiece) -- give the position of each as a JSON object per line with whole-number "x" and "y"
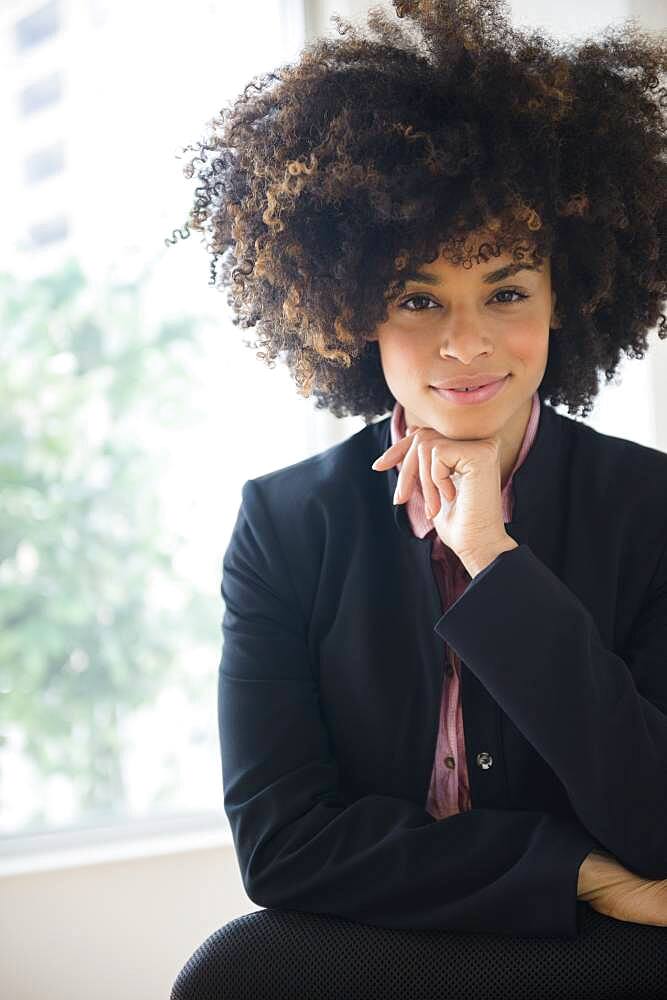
{"x": 258, "y": 898}
{"x": 262, "y": 890}
{"x": 276, "y": 885}
{"x": 259, "y": 882}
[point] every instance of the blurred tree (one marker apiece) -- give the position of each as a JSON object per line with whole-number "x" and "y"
{"x": 87, "y": 385}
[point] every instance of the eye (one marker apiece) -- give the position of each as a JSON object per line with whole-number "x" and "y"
{"x": 412, "y": 299}
{"x": 502, "y": 291}
{"x": 511, "y": 291}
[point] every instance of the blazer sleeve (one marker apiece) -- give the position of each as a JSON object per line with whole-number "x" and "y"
{"x": 599, "y": 720}
{"x": 377, "y": 859}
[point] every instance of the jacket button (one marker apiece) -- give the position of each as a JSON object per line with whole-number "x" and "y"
{"x": 450, "y": 762}
{"x": 484, "y": 760}
{"x": 449, "y": 670}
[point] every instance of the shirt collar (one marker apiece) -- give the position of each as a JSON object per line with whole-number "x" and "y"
{"x": 415, "y": 506}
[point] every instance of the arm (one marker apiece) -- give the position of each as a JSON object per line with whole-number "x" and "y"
{"x": 541, "y": 658}
{"x": 377, "y": 859}
{"x": 616, "y": 892}
{"x": 598, "y": 871}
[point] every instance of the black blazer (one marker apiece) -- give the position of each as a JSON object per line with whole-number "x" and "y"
{"x": 331, "y": 673}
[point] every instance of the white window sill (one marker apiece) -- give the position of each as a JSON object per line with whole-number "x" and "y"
{"x": 101, "y": 845}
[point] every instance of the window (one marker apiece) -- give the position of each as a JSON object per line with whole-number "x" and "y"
{"x": 50, "y": 231}
{"x": 41, "y": 94}
{"x": 122, "y": 468}
{"x": 45, "y": 163}
{"x": 38, "y": 26}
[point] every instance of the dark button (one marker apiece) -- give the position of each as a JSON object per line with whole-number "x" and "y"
{"x": 450, "y": 762}
{"x": 484, "y": 760}
{"x": 449, "y": 670}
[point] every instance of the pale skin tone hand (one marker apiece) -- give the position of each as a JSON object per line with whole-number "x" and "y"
{"x": 614, "y": 891}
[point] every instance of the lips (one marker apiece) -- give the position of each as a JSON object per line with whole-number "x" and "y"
{"x": 473, "y": 396}
{"x": 470, "y": 381}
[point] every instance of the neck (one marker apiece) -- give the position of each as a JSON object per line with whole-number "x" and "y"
{"x": 512, "y": 435}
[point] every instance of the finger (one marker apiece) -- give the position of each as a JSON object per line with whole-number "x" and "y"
{"x": 394, "y": 453}
{"x": 440, "y": 473}
{"x": 407, "y": 477}
{"x": 429, "y": 489}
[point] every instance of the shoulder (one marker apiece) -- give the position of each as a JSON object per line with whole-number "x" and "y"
{"x": 339, "y": 470}
{"x": 628, "y": 476}
{"x": 608, "y": 450}
{"x": 327, "y": 469}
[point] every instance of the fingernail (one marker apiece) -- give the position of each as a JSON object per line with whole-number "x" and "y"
{"x": 373, "y": 466}
{"x": 429, "y": 514}
{"x": 396, "y": 496}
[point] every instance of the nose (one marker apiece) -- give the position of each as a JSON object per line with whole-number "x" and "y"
{"x": 464, "y": 340}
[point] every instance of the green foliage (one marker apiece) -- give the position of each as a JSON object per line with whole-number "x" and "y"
{"x": 88, "y": 385}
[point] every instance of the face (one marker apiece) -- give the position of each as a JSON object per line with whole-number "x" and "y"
{"x": 464, "y": 321}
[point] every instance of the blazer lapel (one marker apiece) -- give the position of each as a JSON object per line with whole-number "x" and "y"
{"x": 538, "y": 520}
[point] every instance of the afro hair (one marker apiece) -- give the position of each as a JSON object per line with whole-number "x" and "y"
{"x": 326, "y": 180}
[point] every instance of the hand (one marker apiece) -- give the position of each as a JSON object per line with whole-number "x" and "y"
{"x": 467, "y": 517}
{"x": 616, "y": 892}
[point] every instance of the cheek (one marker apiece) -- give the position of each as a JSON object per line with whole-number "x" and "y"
{"x": 529, "y": 342}
{"x": 399, "y": 352}
{"x": 402, "y": 363}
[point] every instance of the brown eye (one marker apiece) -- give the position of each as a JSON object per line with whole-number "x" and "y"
{"x": 510, "y": 291}
{"x": 412, "y": 299}
{"x": 425, "y": 298}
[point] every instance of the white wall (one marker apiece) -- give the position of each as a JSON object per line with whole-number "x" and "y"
{"x": 114, "y": 929}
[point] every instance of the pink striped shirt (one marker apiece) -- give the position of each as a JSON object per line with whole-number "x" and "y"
{"x": 449, "y": 790}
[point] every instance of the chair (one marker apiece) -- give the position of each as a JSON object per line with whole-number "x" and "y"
{"x": 290, "y": 955}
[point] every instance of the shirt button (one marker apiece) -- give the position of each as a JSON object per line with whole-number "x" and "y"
{"x": 484, "y": 760}
{"x": 449, "y": 670}
{"x": 450, "y": 762}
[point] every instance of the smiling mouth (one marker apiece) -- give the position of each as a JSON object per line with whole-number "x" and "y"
{"x": 478, "y": 385}
{"x": 472, "y": 395}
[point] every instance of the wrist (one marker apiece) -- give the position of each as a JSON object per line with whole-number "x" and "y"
{"x": 475, "y": 562}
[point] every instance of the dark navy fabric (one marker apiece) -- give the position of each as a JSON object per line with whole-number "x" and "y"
{"x": 331, "y": 675}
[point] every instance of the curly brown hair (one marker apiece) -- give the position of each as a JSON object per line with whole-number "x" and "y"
{"x": 377, "y": 151}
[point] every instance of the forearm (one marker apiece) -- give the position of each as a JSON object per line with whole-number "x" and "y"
{"x": 598, "y": 870}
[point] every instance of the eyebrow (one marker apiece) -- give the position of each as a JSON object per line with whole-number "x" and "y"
{"x": 489, "y": 279}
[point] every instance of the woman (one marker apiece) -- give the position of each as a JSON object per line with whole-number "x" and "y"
{"x": 450, "y": 201}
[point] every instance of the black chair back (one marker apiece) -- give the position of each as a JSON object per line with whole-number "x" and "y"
{"x": 289, "y": 955}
